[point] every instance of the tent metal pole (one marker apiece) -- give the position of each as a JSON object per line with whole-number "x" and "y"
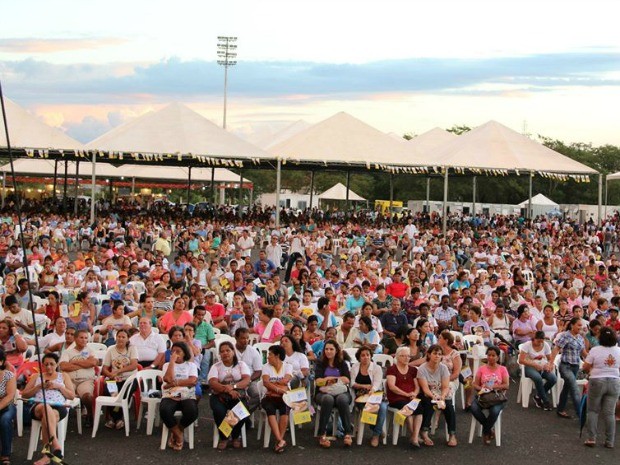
{"x": 428, "y": 195}
{"x": 240, "y": 191}
{"x": 444, "y": 226}
{"x": 111, "y": 191}
{"x": 213, "y": 185}
{"x": 64, "y": 195}
{"x": 3, "y": 188}
{"x": 251, "y": 196}
{"x": 93, "y": 186}
{"x": 55, "y": 179}
{"x": 189, "y": 183}
{"x": 473, "y": 202}
{"x": 348, "y": 184}
{"x": 391, "y": 193}
{"x": 529, "y": 200}
{"x": 606, "y": 189}
{"x": 311, "y": 188}
{"x": 600, "y": 198}
{"x": 278, "y": 181}
{"x": 77, "y": 184}
{"x": 133, "y": 188}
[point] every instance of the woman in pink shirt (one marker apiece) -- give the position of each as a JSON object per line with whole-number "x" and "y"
{"x": 269, "y": 328}
{"x": 177, "y": 317}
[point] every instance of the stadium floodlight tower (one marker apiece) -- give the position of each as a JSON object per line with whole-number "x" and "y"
{"x": 226, "y": 56}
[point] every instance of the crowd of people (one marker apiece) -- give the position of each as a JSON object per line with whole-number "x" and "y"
{"x": 345, "y": 304}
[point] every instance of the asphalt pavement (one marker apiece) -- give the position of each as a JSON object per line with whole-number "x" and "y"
{"x": 530, "y": 436}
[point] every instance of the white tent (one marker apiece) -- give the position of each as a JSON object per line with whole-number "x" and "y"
{"x": 432, "y": 140}
{"x": 346, "y": 140}
{"x": 45, "y": 168}
{"x": 494, "y": 146}
{"x": 289, "y": 131}
{"x": 541, "y": 205}
{"x": 176, "y": 129}
{"x": 28, "y": 131}
{"x": 339, "y": 192}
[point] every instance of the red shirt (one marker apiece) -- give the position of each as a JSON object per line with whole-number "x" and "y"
{"x": 216, "y": 310}
{"x": 404, "y": 382}
{"x": 397, "y": 290}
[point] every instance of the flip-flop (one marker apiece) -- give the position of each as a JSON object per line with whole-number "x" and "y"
{"x": 428, "y": 442}
{"x": 589, "y": 443}
{"x": 280, "y": 447}
{"x": 564, "y": 415}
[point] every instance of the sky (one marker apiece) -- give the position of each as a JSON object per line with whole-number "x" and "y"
{"x": 542, "y": 67}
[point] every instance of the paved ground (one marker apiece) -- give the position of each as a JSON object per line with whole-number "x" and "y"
{"x": 530, "y": 436}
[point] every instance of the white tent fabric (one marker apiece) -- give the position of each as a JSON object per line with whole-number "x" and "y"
{"x": 280, "y": 136}
{"x": 432, "y": 140}
{"x": 339, "y": 192}
{"x": 175, "y": 129}
{"x": 539, "y": 200}
{"x": 28, "y": 131}
{"x": 345, "y": 139}
{"x": 40, "y": 167}
{"x": 494, "y": 146}
{"x": 613, "y": 176}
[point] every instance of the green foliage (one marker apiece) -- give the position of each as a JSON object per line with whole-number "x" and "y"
{"x": 458, "y": 130}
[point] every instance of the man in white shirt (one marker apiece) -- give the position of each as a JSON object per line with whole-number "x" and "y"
{"x": 274, "y": 252}
{"x": 245, "y": 244}
{"x": 252, "y": 358}
{"x": 150, "y": 345}
{"x": 20, "y": 316}
{"x": 53, "y": 342}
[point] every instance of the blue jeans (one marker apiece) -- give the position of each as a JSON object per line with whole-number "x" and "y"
{"x": 377, "y": 429}
{"x": 537, "y": 378}
{"x": 7, "y": 415}
{"x": 487, "y": 421}
{"x": 428, "y": 409}
{"x": 602, "y": 397}
{"x": 205, "y": 364}
{"x": 568, "y": 373}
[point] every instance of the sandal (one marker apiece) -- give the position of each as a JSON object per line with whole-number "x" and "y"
{"x": 279, "y": 448}
{"x": 324, "y": 442}
{"x": 110, "y": 424}
{"x": 564, "y": 415}
{"x": 5, "y": 461}
{"x": 427, "y": 441}
{"x": 348, "y": 440}
{"x": 120, "y": 424}
{"x": 222, "y": 444}
{"x": 452, "y": 442}
{"x": 590, "y": 443}
{"x": 237, "y": 444}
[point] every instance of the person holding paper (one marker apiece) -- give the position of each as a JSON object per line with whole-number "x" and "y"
{"x": 228, "y": 380}
{"x": 119, "y": 363}
{"x": 179, "y": 393}
{"x": 332, "y": 377}
{"x": 403, "y": 388}
{"x": 367, "y": 377}
{"x": 58, "y": 388}
{"x": 276, "y": 376}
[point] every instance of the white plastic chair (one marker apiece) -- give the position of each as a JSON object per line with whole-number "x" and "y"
{"x": 216, "y": 436}
{"x": 147, "y": 382}
{"x": 267, "y": 429}
{"x": 497, "y": 427}
{"x": 361, "y": 426}
{"x": 187, "y": 433}
{"x": 559, "y": 385}
{"x": 351, "y": 351}
{"x": 121, "y": 400}
{"x": 263, "y": 348}
{"x": 35, "y": 433}
{"x": 383, "y": 360}
{"x": 95, "y": 346}
{"x": 254, "y": 339}
{"x": 525, "y": 389}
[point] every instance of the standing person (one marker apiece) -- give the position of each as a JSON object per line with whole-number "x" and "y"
{"x": 603, "y": 364}
{"x": 490, "y": 377}
{"x": 8, "y": 387}
{"x": 276, "y": 376}
{"x": 573, "y": 347}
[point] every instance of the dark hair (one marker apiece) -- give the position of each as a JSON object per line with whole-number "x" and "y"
{"x": 448, "y": 336}
{"x": 476, "y": 310}
{"x": 322, "y": 302}
{"x": 240, "y": 331}
{"x": 123, "y": 330}
{"x": 303, "y": 345}
{"x": 607, "y": 337}
{"x": 358, "y": 354}
{"x": 572, "y": 321}
{"x": 183, "y": 346}
{"x": 431, "y": 349}
{"x": 539, "y": 335}
{"x": 268, "y": 312}
{"x": 493, "y": 349}
{"x": 278, "y": 351}
{"x": 312, "y": 319}
{"x": 174, "y": 329}
{"x": 51, "y": 355}
{"x": 2, "y": 359}
{"x": 522, "y": 309}
{"x": 420, "y": 323}
{"x": 348, "y": 316}
{"x": 10, "y": 300}
{"x": 191, "y": 324}
{"x": 367, "y": 321}
{"x": 294, "y": 343}
{"x": 231, "y": 347}
{"x": 338, "y": 359}
{"x": 593, "y": 324}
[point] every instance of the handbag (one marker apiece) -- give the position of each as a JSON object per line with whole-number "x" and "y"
{"x": 334, "y": 389}
{"x": 489, "y": 399}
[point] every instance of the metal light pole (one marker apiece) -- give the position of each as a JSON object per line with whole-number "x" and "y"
{"x": 226, "y": 54}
